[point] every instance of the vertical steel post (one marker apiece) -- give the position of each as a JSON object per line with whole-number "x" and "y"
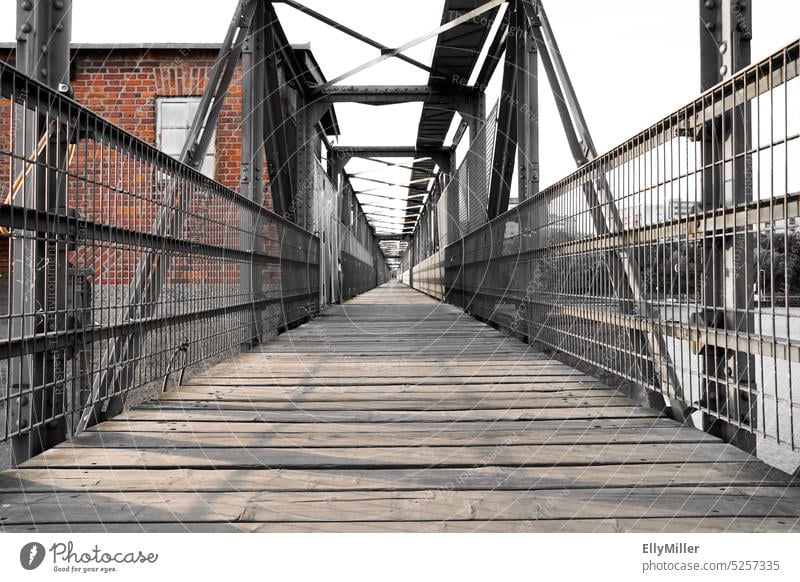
{"x": 307, "y": 209}
{"x": 475, "y": 112}
{"x": 729, "y": 275}
{"x": 40, "y": 265}
{"x": 251, "y": 185}
{"x": 528, "y": 112}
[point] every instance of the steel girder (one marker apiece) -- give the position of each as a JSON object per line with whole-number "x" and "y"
{"x": 43, "y": 53}
{"x": 729, "y": 278}
{"x": 453, "y": 97}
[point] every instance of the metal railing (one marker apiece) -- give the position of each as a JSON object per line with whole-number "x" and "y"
{"x": 672, "y": 261}
{"x": 117, "y": 257}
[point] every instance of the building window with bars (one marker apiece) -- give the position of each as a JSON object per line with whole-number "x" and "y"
{"x": 174, "y": 117}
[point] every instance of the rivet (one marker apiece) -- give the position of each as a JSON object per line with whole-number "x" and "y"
{"x": 710, "y": 26}
{"x": 43, "y": 72}
{"x": 23, "y": 400}
{"x": 59, "y": 27}
{"x": 723, "y": 47}
{"x": 723, "y": 70}
{"x": 27, "y": 4}
{"x": 26, "y": 27}
{"x": 710, "y": 4}
{"x": 23, "y": 423}
{"x": 58, "y": 5}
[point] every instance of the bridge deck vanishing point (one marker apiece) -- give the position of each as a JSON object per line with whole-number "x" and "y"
{"x": 394, "y": 412}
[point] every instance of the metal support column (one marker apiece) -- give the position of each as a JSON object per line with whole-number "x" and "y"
{"x": 528, "y": 113}
{"x": 308, "y": 143}
{"x": 505, "y": 145}
{"x": 279, "y": 134}
{"x": 251, "y": 185}
{"x": 40, "y": 287}
{"x": 729, "y": 276}
{"x": 474, "y": 113}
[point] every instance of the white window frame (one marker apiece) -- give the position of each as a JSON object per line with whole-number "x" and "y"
{"x": 210, "y": 162}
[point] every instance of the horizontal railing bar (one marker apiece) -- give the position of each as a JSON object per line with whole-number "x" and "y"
{"x": 56, "y": 340}
{"x": 95, "y": 127}
{"x": 53, "y": 224}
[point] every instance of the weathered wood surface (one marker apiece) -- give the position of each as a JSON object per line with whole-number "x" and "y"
{"x": 395, "y": 413}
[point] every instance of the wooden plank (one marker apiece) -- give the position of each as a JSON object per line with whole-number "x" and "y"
{"x": 441, "y": 404}
{"x": 751, "y": 474}
{"x": 322, "y": 394}
{"x": 638, "y": 525}
{"x": 429, "y": 505}
{"x": 367, "y": 457}
{"x": 386, "y": 437}
{"x": 391, "y": 416}
{"x": 267, "y": 380}
{"x": 238, "y": 428}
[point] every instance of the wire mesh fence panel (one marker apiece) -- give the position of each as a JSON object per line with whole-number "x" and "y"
{"x": 122, "y": 266}
{"x": 672, "y": 261}
{"x": 363, "y": 265}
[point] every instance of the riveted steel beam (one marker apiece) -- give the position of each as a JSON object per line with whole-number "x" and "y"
{"x": 451, "y": 97}
{"x": 43, "y": 37}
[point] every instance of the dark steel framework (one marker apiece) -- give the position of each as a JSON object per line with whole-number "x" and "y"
{"x": 665, "y": 262}
{"x": 658, "y": 262}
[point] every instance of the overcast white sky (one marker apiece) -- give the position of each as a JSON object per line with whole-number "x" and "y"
{"x": 632, "y": 61}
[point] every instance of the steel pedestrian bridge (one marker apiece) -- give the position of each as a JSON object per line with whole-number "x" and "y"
{"x": 618, "y": 351}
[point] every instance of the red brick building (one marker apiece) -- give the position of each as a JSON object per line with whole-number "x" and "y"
{"x": 152, "y": 91}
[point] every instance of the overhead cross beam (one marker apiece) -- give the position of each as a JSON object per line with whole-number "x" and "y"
{"x": 452, "y": 97}
{"x": 440, "y": 155}
{"x": 491, "y": 4}
{"x": 352, "y": 33}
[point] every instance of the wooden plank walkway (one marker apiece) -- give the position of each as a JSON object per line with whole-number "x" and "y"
{"x": 395, "y": 413}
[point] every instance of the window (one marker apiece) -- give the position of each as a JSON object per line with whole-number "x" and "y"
{"x": 174, "y": 117}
